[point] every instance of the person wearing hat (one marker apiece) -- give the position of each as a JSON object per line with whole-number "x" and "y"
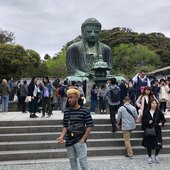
{"x": 76, "y": 145}
{"x": 127, "y": 115}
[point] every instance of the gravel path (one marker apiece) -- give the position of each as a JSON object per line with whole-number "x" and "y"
{"x": 102, "y": 163}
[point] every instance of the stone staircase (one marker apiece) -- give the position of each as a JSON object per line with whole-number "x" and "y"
{"x": 36, "y": 140}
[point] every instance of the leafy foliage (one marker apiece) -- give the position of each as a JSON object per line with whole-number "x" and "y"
{"x": 13, "y": 60}
{"x": 57, "y": 65}
{"x": 6, "y": 37}
{"x": 128, "y": 59}
{"x": 156, "y": 42}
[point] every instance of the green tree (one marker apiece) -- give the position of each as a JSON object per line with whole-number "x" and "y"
{"x": 34, "y": 62}
{"x": 57, "y": 65}
{"x": 128, "y": 59}
{"x": 13, "y": 60}
{"x": 6, "y": 37}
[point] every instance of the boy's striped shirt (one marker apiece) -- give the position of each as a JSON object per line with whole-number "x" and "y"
{"x": 81, "y": 115}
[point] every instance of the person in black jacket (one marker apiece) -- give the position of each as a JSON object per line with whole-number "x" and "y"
{"x": 153, "y": 117}
{"x": 93, "y": 99}
{"x": 33, "y": 92}
{"x": 23, "y": 95}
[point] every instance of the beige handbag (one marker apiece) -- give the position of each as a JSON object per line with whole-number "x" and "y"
{"x": 28, "y": 99}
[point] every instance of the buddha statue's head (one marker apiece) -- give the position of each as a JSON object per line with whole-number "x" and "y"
{"x": 90, "y": 29}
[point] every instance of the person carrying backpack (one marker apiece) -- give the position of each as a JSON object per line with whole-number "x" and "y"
{"x": 112, "y": 96}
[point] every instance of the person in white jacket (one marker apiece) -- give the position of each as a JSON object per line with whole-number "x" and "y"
{"x": 163, "y": 95}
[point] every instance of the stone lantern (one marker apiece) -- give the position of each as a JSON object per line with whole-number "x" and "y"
{"x": 100, "y": 69}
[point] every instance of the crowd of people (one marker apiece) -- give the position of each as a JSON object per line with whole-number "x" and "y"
{"x": 40, "y": 95}
{"x": 129, "y": 102}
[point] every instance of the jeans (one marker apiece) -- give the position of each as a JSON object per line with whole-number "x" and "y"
{"x": 63, "y": 103}
{"x": 78, "y": 151}
{"x": 102, "y": 103}
{"x": 5, "y": 100}
{"x": 93, "y": 105}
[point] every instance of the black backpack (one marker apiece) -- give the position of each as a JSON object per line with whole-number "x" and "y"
{"x": 62, "y": 90}
{"x": 115, "y": 94}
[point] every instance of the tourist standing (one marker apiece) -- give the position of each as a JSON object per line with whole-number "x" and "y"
{"x": 123, "y": 91}
{"x": 11, "y": 86}
{"x": 93, "y": 99}
{"x": 4, "y": 91}
{"x": 46, "y": 97}
{"x": 141, "y": 81}
{"x": 23, "y": 95}
{"x": 131, "y": 92}
{"x": 163, "y": 95}
{"x": 112, "y": 96}
{"x": 76, "y": 143}
{"x": 153, "y": 118}
{"x": 63, "y": 95}
{"x": 143, "y": 101}
{"x": 33, "y": 92}
{"x": 155, "y": 88}
{"x": 102, "y": 102}
{"x": 127, "y": 114}
{"x": 18, "y": 96}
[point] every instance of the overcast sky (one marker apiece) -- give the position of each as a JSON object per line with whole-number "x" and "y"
{"x": 47, "y": 25}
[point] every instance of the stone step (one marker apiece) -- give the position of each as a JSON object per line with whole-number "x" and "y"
{"x": 44, "y": 121}
{"x": 52, "y": 144}
{"x": 53, "y": 135}
{"x": 56, "y": 128}
{"x": 39, "y": 121}
{"x": 61, "y": 153}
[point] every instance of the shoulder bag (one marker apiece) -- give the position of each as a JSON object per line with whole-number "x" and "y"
{"x": 150, "y": 131}
{"x": 75, "y": 130}
{"x": 129, "y": 111}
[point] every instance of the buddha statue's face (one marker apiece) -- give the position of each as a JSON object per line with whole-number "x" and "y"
{"x": 91, "y": 33}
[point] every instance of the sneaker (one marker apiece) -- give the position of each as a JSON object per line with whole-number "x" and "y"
{"x": 131, "y": 157}
{"x": 157, "y": 159}
{"x": 92, "y": 113}
{"x": 149, "y": 160}
{"x": 33, "y": 116}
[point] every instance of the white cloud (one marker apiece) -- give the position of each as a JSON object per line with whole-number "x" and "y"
{"x": 46, "y": 26}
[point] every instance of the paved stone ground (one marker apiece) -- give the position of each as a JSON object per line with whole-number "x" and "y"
{"x": 102, "y": 163}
